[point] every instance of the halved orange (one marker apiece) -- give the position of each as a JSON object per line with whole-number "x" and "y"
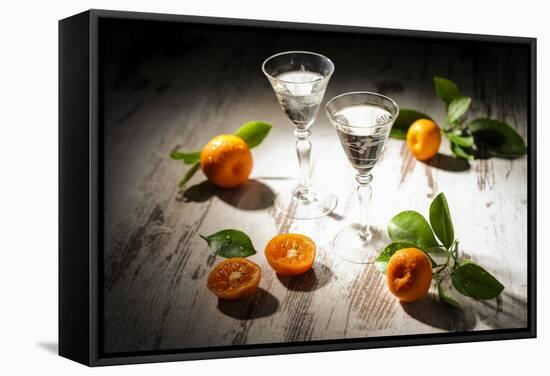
{"x": 290, "y": 254}
{"x": 234, "y": 278}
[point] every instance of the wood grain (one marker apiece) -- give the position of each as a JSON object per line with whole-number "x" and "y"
{"x": 156, "y": 264}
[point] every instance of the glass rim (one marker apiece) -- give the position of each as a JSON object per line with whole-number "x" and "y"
{"x": 297, "y": 52}
{"x": 370, "y": 93}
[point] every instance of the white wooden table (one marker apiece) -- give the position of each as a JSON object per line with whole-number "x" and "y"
{"x": 156, "y": 264}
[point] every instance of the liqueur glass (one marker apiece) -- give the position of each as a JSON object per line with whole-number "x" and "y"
{"x": 299, "y": 80}
{"x": 362, "y": 121}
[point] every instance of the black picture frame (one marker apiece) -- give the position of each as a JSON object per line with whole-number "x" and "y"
{"x": 80, "y": 199}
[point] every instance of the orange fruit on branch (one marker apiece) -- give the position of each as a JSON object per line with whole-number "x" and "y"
{"x": 423, "y": 139}
{"x": 290, "y": 254}
{"x": 226, "y": 161}
{"x": 409, "y": 274}
{"x": 234, "y": 278}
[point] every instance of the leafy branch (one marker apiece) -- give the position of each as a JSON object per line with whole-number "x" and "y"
{"x": 437, "y": 238}
{"x": 253, "y": 133}
{"x": 467, "y": 138}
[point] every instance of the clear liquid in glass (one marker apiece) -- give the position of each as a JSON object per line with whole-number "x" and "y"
{"x": 363, "y": 130}
{"x": 300, "y": 93}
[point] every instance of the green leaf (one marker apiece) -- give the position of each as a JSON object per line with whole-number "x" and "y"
{"x": 446, "y": 89}
{"x": 440, "y": 219}
{"x": 230, "y": 243}
{"x": 461, "y": 152}
{"x": 381, "y": 262}
{"x": 438, "y": 251}
{"x": 474, "y": 281}
{"x": 253, "y": 132}
{"x": 445, "y": 297}
{"x": 188, "y": 158}
{"x": 410, "y": 226}
{"x": 189, "y": 175}
{"x": 457, "y": 108}
{"x": 462, "y": 141}
{"x": 404, "y": 120}
{"x": 500, "y": 138}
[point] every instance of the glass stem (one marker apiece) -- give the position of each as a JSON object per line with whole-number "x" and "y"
{"x": 303, "y": 149}
{"x": 364, "y": 192}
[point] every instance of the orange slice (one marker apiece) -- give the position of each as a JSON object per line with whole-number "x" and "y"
{"x": 290, "y": 254}
{"x": 234, "y": 278}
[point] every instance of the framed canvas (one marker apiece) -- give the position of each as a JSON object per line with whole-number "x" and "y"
{"x": 239, "y": 187}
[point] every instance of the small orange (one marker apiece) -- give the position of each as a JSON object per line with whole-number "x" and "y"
{"x": 290, "y": 254}
{"x": 423, "y": 139}
{"x": 234, "y": 278}
{"x": 226, "y": 161}
{"x": 409, "y": 274}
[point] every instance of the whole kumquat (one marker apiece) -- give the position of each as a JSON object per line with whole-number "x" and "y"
{"x": 226, "y": 161}
{"x": 409, "y": 274}
{"x": 423, "y": 139}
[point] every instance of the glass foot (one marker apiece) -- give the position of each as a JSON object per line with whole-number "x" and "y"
{"x": 315, "y": 205}
{"x": 351, "y": 247}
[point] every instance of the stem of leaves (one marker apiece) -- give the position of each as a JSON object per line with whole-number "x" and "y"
{"x": 451, "y": 253}
{"x": 410, "y": 229}
{"x": 454, "y": 253}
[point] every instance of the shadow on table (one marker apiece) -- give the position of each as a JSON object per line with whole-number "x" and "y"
{"x": 51, "y": 347}
{"x": 274, "y": 178}
{"x": 432, "y": 312}
{"x": 336, "y": 216}
{"x": 311, "y": 280}
{"x": 506, "y": 311}
{"x": 252, "y": 195}
{"x": 448, "y": 163}
{"x": 261, "y": 304}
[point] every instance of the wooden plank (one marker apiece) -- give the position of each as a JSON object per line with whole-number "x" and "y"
{"x": 156, "y": 264}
